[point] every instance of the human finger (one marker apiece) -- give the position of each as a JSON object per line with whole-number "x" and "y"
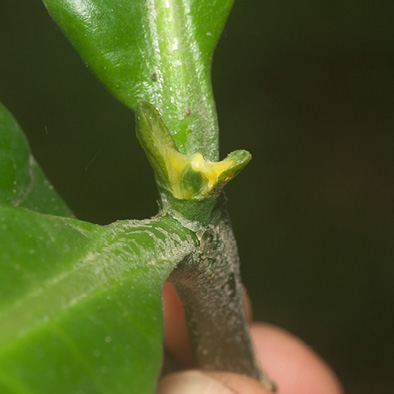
{"x": 199, "y": 382}
{"x": 293, "y": 365}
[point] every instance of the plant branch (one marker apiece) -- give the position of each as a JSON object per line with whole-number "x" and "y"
{"x": 210, "y": 289}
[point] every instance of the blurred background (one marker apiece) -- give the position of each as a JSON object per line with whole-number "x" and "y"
{"x": 308, "y": 88}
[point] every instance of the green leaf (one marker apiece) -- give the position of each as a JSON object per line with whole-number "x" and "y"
{"x": 22, "y": 182}
{"x": 155, "y": 139}
{"x": 158, "y": 51}
{"x": 80, "y": 304}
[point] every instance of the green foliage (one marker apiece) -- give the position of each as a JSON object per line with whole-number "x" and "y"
{"x": 80, "y": 304}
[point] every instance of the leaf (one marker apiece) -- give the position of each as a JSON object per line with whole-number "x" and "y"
{"x": 22, "y": 182}
{"x": 80, "y": 304}
{"x": 155, "y": 139}
{"x": 158, "y": 51}
{"x": 82, "y": 311}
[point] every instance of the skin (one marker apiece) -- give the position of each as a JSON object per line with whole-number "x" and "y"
{"x": 294, "y": 367}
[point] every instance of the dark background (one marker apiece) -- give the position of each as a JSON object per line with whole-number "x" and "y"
{"x": 308, "y": 88}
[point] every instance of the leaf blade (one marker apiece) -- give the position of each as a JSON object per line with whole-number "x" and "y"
{"x": 22, "y": 182}
{"x": 101, "y": 301}
{"x": 158, "y": 51}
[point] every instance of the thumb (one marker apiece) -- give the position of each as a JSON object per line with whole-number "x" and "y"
{"x": 199, "y": 382}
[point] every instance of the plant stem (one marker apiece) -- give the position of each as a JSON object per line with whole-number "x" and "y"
{"x": 210, "y": 289}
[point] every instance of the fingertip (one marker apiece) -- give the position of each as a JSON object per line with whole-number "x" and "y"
{"x": 190, "y": 382}
{"x": 291, "y": 364}
{"x": 239, "y": 383}
{"x": 198, "y": 382}
{"x": 176, "y": 339}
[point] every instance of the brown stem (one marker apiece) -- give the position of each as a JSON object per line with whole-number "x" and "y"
{"x": 210, "y": 289}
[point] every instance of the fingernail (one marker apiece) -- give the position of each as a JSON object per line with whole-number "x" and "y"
{"x": 191, "y": 382}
